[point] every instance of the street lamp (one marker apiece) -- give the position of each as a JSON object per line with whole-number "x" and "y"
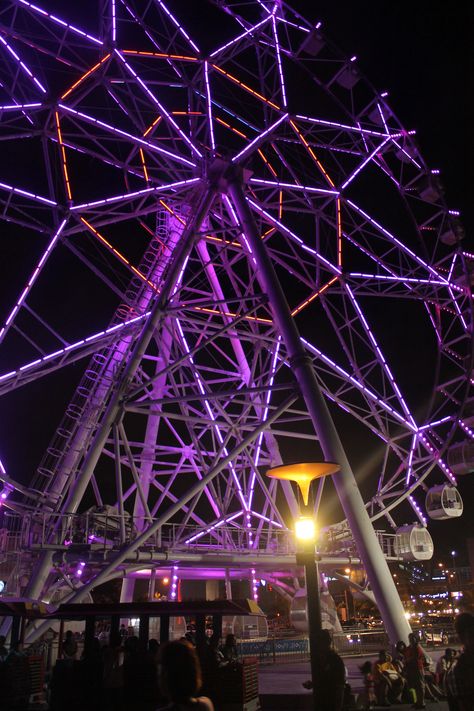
{"x": 305, "y": 531}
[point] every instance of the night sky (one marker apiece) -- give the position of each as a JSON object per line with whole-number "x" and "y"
{"x": 419, "y": 53}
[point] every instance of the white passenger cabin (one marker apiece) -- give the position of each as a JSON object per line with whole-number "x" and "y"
{"x": 413, "y": 542}
{"x": 443, "y": 502}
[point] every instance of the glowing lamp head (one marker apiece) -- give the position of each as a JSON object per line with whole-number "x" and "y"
{"x": 305, "y": 528}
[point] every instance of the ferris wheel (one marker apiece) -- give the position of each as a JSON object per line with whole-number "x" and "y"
{"x": 155, "y": 178}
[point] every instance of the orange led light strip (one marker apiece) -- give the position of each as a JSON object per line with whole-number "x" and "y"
{"x": 258, "y": 319}
{"x": 158, "y": 55}
{"x": 120, "y": 256}
{"x": 267, "y": 163}
{"x": 155, "y": 122}
{"x": 84, "y": 76}
{"x": 312, "y": 153}
{"x": 245, "y": 86}
{"x": 313, "y": 296}
{"x": 63, "y": 156}
{"x": 172, "y": 212}
{"x": 227, "y": 125}
{"x": 145, "y": 171}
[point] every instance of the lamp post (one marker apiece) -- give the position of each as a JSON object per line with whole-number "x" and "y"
{"x": 305, "y": 531}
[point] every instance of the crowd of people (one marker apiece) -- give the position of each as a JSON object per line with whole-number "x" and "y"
{"x": 124, "y": 674}
{"x": 411, "y": 676}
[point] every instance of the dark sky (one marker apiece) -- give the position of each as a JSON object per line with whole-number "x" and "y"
{"x": 421, "y": 53}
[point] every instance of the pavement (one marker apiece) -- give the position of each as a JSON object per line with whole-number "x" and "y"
{"x": 280, "y": 685}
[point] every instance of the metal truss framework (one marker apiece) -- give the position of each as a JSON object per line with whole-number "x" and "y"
{"x": 131, "y": 126}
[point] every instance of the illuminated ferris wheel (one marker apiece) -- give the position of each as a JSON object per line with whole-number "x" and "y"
{"x": 158, "y": 182}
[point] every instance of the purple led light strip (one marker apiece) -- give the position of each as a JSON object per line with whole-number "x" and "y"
{"x": 209, "y": 105}
{"x": 114, "y": 20}
{"x": 57, "y": 20}
{"x": 135, "y": 139}
{"x": 402, "y": 246}
{"x": 264, "y": 417}
{"x": 258, "y": 139}
{"x": 412, "y": 160}
{"x": 31, "y": 280}
{"x": 20, "y": 107}
{"x": 380, "y": 355}
{"x": 280, "y": 67}
{"x": 291, "y": 186}
{"x": 448, "y": 418}
{"x": 456, "y": 306}
{"x": 177, "y": 24}
{"x": 335, "y": 124}
{"x": 417, "y": 510}
{"x": 136, "y": 193}
{"x": 214, "y": 526}
{"x": 25, "y": 193}
{"x": 202, "y": 390}
{"x": 268, "y": 520}
{"x": 73, "y": 346}
{"x": 160, "y": 106}
{"x": 409, "y": 473}
{"x": 364, "y": 163}
{"x": 405, "y": 280}
{"x": 441, "y": 463}
{"x": 239, "y": 37}
{"x": 370, "y": 394}
{"x": 286, "y": 231}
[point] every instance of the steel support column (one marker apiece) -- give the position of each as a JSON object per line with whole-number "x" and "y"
{"x": 369, "y": 548}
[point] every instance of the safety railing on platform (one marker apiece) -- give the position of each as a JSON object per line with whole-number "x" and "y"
{"x": 101, "y": 527}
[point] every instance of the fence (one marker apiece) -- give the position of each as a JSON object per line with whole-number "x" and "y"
{"x": 274, "y": 649}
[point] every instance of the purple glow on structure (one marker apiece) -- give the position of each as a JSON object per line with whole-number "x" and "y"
{"x": 258, "y": 138}
{"x": 267, "y": 519}
{"x": 176, "y": 23}
{"x": 209, "y": 106}
{"x": 239, "y": 37}
{"x": 292, "y": 186}
{"x": 254, "y": 585}
{"x": 448, "y": 418}
{"x": 58, "y": 21}
{"x": 364, "y": 163}
{"x": 174, "y": 584}
{"x": 404, "y": 280}
{"x": 32, "y": 280}
{"x": 20, "y": 107}
{"x": 443, "y": 466}
{"x": 410, "y": 460}
{"x": 280, "y": 67}
{"x": 466, "y": 429}
{"x": 312, "y": 349}
{"x": 71, "y": 347}
{"x": 236, "y": 224}
{"x": 213, "y": 527}
{"x": 136, "y": 193}
{"x": 335, "y": 124}
{"x": 22, "y": 64}
{"x": 396, "y": 241}
{"x": 457, "y": 309}
{"x": 160, "y": 106}
{"x": 407, "y": 155}
{"x": 220, "y": 438}
{"x": 264, "y": 417}
{"x": 114, "y": 20}
{"x": 380, "y": 355}
{"x": 135, "y": 139}
{"x": 33, "y": 196}
{"x": 417, "y": 510}
{"x": 285, "y": 230}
